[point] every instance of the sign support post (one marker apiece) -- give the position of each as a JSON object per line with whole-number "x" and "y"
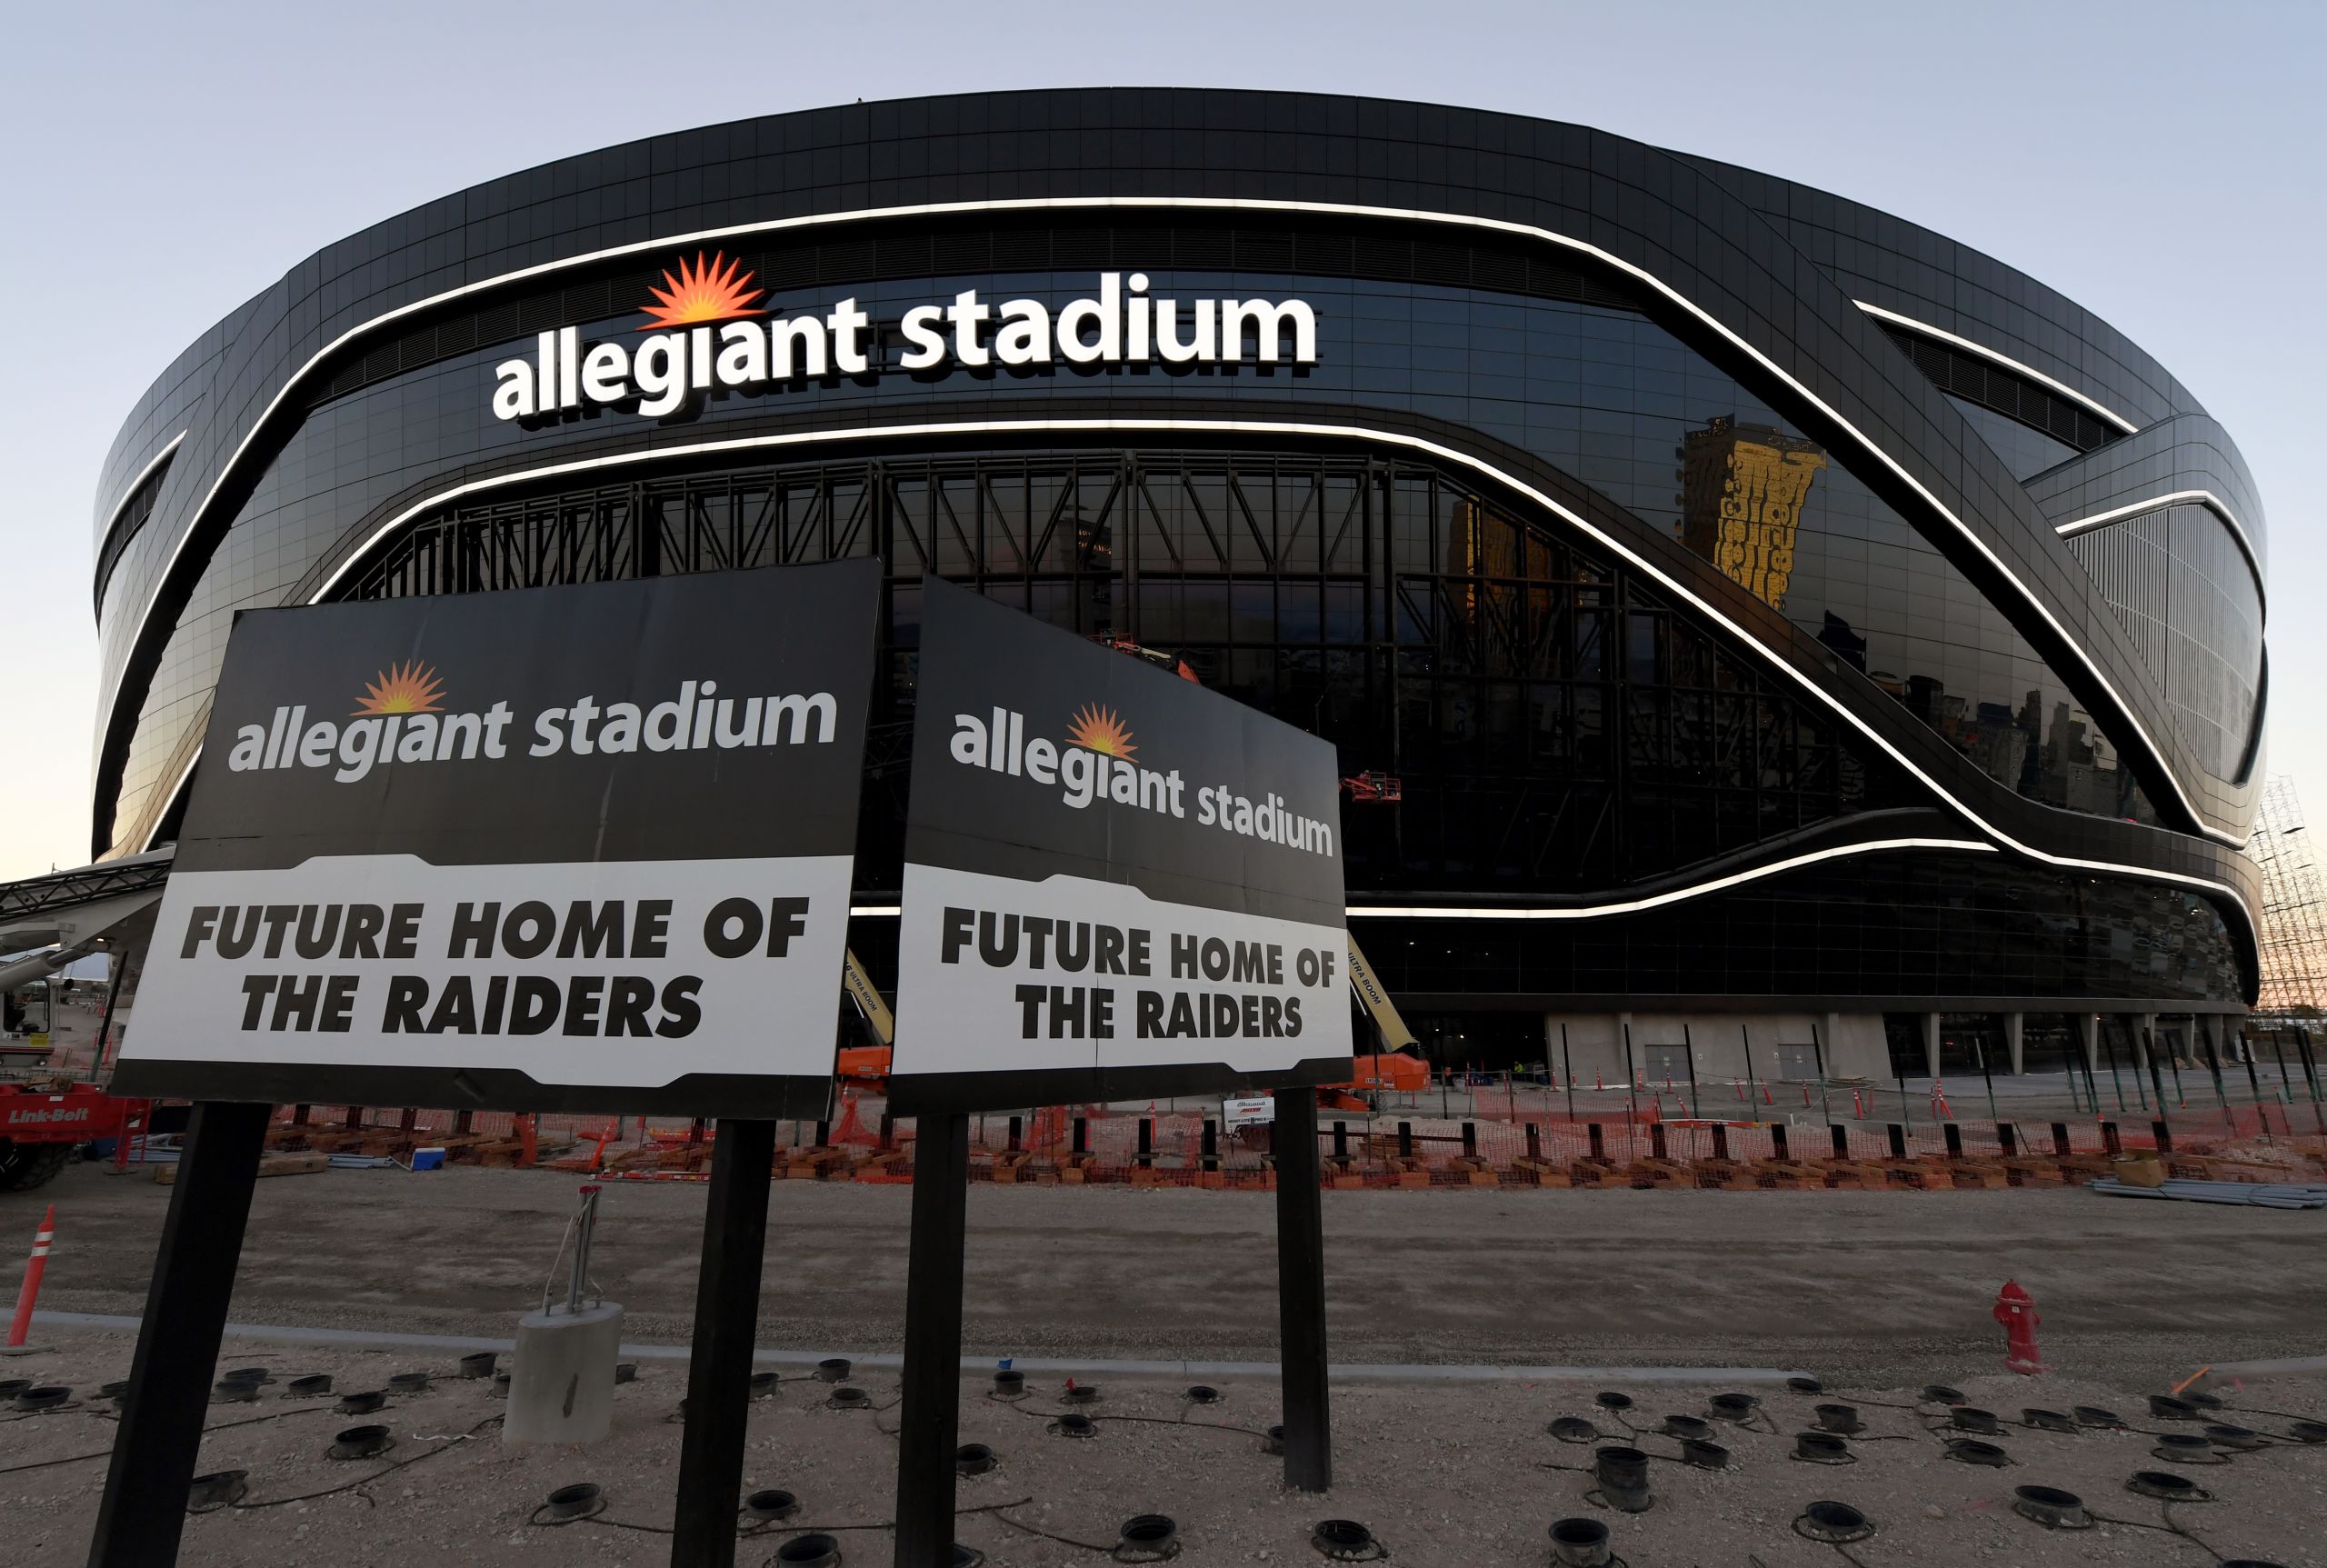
{"x": 155, "y": 1447}
{"x": 1301, "y": 1294}
{"x": 726, "y": 1325}
{"x": 928, "y": 1424}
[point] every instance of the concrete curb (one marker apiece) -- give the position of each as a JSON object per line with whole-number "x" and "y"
{"x": 1354, "y": 1371}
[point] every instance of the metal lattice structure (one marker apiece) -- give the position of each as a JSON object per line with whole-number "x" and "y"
{"x": 2294, "y": 906}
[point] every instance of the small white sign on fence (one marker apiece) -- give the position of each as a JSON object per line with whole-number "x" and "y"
{"x": 1257, "y": 1112}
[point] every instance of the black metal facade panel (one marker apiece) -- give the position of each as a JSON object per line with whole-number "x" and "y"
{"x": 1888, "y": 262}
{"x": 1774, "y": 266}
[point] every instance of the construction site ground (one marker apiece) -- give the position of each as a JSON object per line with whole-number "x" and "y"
{"x": 1443, "y": 1476}
{"x": 1876, "y": 1287}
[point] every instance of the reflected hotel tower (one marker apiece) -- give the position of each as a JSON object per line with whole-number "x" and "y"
{"x": 1742, "y": 490}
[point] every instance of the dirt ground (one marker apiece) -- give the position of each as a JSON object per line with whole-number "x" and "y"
{"x": 1445, "y": 1476}
{"x": 1888, "y": 1288}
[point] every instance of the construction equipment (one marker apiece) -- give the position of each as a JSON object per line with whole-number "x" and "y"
{"x": 43, "y": 1124}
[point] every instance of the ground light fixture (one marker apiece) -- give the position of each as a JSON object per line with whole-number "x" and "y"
{"x": 770, "y": 1505}
{"x": 581, "y": 1500}
{"x": 1841, "y": 1418}
{"x": 479, "y": 1364}
{"x": 219, "y": 1489}
{"x": 1273, "y": 1441}
{"x": 1572, "y": 1429}
{"x": 2166, "y": 1486}
{"x": 1346, "y": 1540}
{"x": 813, "y": 1550}
{"x": 313, "y": 1386}
{"x": 1836, "y": 1523}
{"x": 1622, "y": 1475}
{"x": 360, "y": 1443}
{"x": 1972, "y": 1451}
{"x": 834, "y": 1369}
{"x": 1201, "y": 1394}
{"x": 2095, "y": 1415}
{"x": 974, "y": 1459}
{"x": 2051, "y": 1507}
{"x": 763, "y": 1385}
{"x": 408, "y": 1382}
{"x": 1823, "y": 1448}
{"x": 1804, "y": 1385}
{"x": 2047, "y": 1420}
{"x": 42, "y": 1398}
{"x": 1072, "y": 1425}
{"x": 361, "y": 1403}
{"x": 1009, "y": 1385}
{"x": 1579, "y": 1544}
{"x": 1147, "y": 1538}
{"x": 848, "y": 1396}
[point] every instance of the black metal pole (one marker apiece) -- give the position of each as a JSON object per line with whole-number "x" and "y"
{"x": 726, "y": 1326}
{"x": 1745, "y": 1036}
{"x": 1818, "y": 1051}
{"x": 2100, "y": 1028}
{"x": 1689, "y": 1054}
{"x": 931, "y": 1417}
{"x": 156, "y": 1446}
{"x": 1301, "y": 1294}
{"x": 104, "y": 1022}
{"x": 1567, "y": 1063}
{"x": 2148, "y": 1052}
{"x": 1632, "y": 1095}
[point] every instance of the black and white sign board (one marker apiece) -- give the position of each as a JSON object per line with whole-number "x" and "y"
{"x": 578, "y": 848}
{"x": 1117, "y": 884}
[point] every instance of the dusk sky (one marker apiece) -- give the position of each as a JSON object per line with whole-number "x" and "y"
{"x": 2155, "y": 163}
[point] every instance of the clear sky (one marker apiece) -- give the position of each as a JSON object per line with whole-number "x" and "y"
{"x": 2156, "y": 162}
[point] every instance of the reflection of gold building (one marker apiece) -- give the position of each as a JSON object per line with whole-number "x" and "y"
{"x": 1742, "y": 486}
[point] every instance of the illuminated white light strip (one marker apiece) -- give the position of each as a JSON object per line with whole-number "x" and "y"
{"x": 184, "y": 774}
{"x": 130, "y": 489}
{"x": 2205, "y": 498}
{"x": 1925, "y": 329}
{"x": 1226, "y": 203}
{"x": 1263, "y": 427}
{"x": 1598, "y": 911}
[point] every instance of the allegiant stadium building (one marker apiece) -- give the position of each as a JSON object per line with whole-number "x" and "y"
{"x": 1743, "y": 615}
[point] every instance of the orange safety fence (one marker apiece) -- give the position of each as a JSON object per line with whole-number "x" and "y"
{"x": 1659, "y": 1146}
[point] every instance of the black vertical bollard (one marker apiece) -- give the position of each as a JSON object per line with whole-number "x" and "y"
{"x": 1082, "y": 1134}
{"x": 1017, "y": 1128}
{"x": 1406, "y": 1140}
{"x": 1778, "y": 1141}
{"x": 1898, "y": 1141}
{"x": 2007, "y": 1139}
{"x": 1469, "y": 1140}
{"x": 1840, "y": 1136}
{"x": 1534, "y": 1142}
{"x": 2164, "y": 1137}
{"x": 2060, "y": 1138}
{"x": 1147, "y": 1141}
{"x": 2110, "y": 1140}
{"x": 1341, "y": 1140}
{"x": 1211, "y": 1145}
{"x": 1955, "y": 1135}
{"x": 1599, "y": 1145}
{"x": 1656, "y": 1140}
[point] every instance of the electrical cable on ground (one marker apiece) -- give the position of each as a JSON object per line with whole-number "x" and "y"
{"x": 386, "y": 1470}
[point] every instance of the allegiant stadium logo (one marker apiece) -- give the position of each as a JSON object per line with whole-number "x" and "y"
{"x": 402, "y": 718}
{"x": 708, "y": 330}
{"x": 1095, "y": 763}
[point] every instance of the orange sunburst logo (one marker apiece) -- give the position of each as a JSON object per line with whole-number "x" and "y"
{"x": 1101, "y": 729}
{"x": 407, "y": 688}
{"x": 706, "y": 291}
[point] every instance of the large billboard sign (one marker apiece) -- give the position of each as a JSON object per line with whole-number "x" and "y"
{"x": 577, "y": 848}
{"x": 1117, "y": 884}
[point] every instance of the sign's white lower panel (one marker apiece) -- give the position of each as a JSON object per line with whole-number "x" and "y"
{"x": 999, "y": 975}
{"x": 615, "y": 972}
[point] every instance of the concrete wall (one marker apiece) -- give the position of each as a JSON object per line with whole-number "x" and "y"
{"x": 1852, "y": 1043}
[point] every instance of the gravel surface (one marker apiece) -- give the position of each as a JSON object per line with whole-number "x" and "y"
{"x": 1442, "y": 1475}
{"x": 1876, "y": 1287}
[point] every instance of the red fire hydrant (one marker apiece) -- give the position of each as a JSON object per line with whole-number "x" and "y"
{"x": 2018, "y": 1314}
